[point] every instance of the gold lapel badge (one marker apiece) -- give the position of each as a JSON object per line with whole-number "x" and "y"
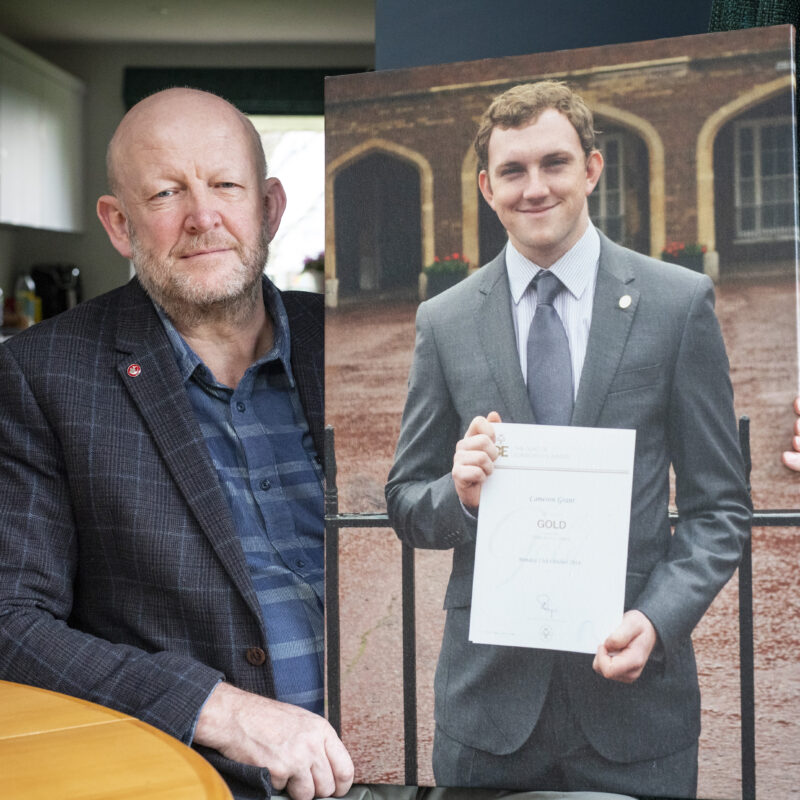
{"x": 625, "y": 301}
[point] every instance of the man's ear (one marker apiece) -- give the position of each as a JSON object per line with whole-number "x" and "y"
{"x": 111, "y": 214}
{"x": 486, "y": 187}
{"x": 274, "y": 204}
{"x": 594, "y": 168}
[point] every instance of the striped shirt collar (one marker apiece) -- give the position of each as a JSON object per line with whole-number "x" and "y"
{"x": 188, "y": 361}
{"x": 575, "y": 269}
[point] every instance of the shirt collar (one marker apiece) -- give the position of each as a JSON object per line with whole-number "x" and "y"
{"x": 575, "y": 269}
{"x": 188, "y": 361}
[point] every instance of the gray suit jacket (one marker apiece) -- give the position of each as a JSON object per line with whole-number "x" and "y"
{"x": 658, "y": 366}
{"x": 122, "y": 578}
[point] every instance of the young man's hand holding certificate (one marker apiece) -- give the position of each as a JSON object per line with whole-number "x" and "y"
{"x": 552, "y": 544}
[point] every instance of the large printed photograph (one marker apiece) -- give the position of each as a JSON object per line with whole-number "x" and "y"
{"x": 697, "y": 140}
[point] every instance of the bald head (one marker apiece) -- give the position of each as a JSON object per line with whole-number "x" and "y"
{"x": 192, "y": 207}
{"x": 187, "y": 110}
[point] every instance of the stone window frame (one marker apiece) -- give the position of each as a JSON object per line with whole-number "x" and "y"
{"x": 760, "y": 232}
{"x": 599, "y": 199}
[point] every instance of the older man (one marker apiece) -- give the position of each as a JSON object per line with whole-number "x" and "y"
{"x": 565, "y": 327}
{"x": 161, "y": 521}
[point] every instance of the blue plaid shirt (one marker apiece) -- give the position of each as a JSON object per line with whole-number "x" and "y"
{"x": 261, "y": 447}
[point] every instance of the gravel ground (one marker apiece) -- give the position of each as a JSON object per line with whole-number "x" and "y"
{"x": 369, "y": 350}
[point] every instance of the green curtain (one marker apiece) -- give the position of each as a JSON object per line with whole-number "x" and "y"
{"x": 252, "y": 91}
{"x": 728, "y": 15}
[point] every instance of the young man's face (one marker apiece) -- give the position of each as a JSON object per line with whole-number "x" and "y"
{"x": 537, "y": 182}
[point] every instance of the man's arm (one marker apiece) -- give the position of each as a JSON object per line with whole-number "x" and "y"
{"x": 791, "y": 458}
{"x": 41, "y": 643}
{"x": 422, "y": 498}
{"x": 711, "y": 493}
{"x": 711, "y": 497}
{"x": 39, "y": 552}
{"x": 304, "y": 755}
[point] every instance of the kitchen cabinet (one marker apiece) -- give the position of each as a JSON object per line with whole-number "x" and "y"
{"x": 41, "y": 142}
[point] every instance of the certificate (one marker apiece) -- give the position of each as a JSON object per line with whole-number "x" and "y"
{"x": 552, "y": 545}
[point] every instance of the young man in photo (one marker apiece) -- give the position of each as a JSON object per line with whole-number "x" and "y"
{"x": 621, "y": 341}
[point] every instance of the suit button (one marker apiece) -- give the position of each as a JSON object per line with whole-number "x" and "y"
{"x": 255, "y": 656}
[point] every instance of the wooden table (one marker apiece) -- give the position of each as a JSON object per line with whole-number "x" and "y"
{"x": 60, "y": 748}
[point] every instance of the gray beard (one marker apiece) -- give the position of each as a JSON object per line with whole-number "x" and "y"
{"x": 187, "y": 304}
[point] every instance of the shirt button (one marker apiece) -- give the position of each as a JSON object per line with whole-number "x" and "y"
{"x": 265, "y": 484}
{"x": 240, "y": 406}
{"x": 255, "y": 656}
{"x": 300, "y": 563}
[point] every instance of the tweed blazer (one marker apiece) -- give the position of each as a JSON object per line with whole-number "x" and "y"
{"x": 654, "y": 362}
{"x": 122, "y": 579}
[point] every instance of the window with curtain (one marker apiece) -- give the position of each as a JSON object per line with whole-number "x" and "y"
{"x": 607, "y": 201}
{"x": 764, "y": 179}
{"x": 295, "y": 151}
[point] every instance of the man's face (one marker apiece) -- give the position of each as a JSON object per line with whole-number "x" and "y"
{"x": 193, "y": 290}
{"x": 537, "y": 182}
{"x": 194, "y": 215}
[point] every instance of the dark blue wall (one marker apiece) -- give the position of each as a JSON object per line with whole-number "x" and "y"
{"x": 412, "y": 33}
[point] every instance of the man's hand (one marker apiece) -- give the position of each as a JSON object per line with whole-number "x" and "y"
{"x": 474, "y": 458}
{"x": 623, "y": 656}
{"x": 791, "y": 458}
{"x": 304, "y": 755}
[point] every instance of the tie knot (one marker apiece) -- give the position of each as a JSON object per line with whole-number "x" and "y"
{"x": 547, "y": 287}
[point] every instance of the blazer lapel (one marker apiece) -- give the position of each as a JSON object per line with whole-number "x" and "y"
{"x": 147, "y": 368}
{"x": 499, "y": 341}
{"x": 306, "y": 329}
{"x": 613, "y": 309}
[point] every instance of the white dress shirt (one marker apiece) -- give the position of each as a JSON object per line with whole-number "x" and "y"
{"x": 577, "y": 270}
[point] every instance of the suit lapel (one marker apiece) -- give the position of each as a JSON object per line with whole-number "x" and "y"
{"x": 147, "y": 367}
{"x": 612, "y": 316}
{"x": 305, "y": 313}
{"x": 499, "y": 341}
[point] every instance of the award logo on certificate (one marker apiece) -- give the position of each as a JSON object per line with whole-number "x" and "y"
{"x": 552, "y": 545}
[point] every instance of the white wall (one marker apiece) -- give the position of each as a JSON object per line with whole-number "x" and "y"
{"x": 101, "y": 67}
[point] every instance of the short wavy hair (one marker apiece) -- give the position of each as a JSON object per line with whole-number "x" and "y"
{"x": 523, "y": 104}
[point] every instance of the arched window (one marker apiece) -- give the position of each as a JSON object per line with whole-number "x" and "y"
{"x": 764, "y": 179}
{"x": 607, "y": 201}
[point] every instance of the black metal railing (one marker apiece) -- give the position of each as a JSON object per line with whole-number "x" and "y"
{"x": 334, "y": 521}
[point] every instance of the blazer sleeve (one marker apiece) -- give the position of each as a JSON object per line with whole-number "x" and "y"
{"x": 711, "y": 493}
{"x": 421, "y": 499}
{"x": 40, "y": 642}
